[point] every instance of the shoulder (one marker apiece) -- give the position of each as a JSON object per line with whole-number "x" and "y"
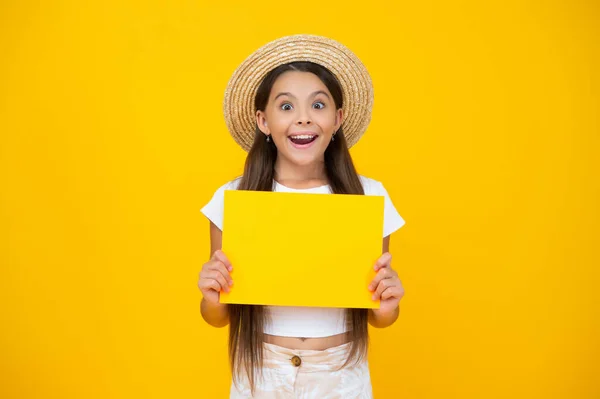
{"x": 230, "y": 185}
{"x": 214, "y": 208}
{"x": 219, "y": 194}
{"x": 392, "y": 220}
{"x": 371, "y": 186}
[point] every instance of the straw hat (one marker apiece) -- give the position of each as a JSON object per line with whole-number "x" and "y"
{"x": 357, "y": 88}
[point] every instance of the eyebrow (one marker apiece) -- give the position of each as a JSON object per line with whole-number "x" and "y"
{"x": 285, "y": 93}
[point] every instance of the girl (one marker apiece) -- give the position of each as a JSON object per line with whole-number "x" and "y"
{"x": 297, "y": 104}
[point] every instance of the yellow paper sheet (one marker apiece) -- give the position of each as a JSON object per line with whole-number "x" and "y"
{"x": 298, "y": 249}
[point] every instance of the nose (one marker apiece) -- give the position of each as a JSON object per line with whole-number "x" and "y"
{"x": 304, "y": 118}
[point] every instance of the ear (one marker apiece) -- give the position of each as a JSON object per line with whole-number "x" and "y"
{"x": 261, "y": 122}
{"x": 339, "y": 118}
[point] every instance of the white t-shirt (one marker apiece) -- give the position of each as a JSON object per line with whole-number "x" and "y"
{"x": 392, "y": 220}
{"x": 295, "y": 321}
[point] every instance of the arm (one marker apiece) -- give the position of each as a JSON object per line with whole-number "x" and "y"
{"x": 214, "y": 313}
{"x": 390, "y": 295}
{"x": 217, "y": 315}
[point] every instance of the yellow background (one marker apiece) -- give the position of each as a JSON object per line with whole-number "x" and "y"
{"x": 485, "y": 131}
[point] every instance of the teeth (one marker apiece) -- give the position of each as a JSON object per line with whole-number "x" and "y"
{"x": 303, "y": 136}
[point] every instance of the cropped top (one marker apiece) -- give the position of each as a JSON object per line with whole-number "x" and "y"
{"x": 310, "y": 322}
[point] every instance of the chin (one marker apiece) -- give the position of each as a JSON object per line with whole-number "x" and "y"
{"x": 305, "y": 159}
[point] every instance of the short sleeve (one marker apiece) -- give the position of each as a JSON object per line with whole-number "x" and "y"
{"x": 213, "y": 210}
{"x": 392, "y": 220}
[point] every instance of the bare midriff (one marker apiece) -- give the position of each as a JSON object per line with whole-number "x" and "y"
{"x": 320, "y": 343}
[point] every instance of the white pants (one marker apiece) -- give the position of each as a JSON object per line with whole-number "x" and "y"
{"x": 304, "y": 374}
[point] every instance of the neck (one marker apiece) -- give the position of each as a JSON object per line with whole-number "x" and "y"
{"x": 296, "y": 176}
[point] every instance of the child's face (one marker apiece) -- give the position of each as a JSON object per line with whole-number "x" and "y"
{"x": 301, "y": 122}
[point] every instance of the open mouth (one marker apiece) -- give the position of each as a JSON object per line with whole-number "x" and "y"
{"x": 302, "y": 140}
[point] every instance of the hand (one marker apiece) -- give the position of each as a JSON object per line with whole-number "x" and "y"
{"x": 215, "y": 277}
{"x": 386, "y": 285}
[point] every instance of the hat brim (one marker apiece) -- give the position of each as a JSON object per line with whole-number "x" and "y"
{"x": 355, "y": 81}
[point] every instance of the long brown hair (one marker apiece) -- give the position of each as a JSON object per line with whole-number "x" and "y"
{"x": 247, "y": 321}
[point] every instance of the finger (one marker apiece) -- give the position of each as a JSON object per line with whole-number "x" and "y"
{"x": 384, "y": 260}
{"x": 383, "y": 285}
{"x": 220, "y": 267}
{"x": 210, "y": 285}
{"x": 392, "y": 292}
{"x": 220, "y": 256}
{"x": 381, "y": 274}
{"x": 216, "y": 275}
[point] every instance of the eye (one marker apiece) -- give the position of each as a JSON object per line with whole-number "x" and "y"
{"x": 283, "y": 106}
{"x": 322, "y": 104}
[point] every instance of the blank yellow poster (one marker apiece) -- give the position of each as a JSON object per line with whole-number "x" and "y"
{"x": 297, "y": 249}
